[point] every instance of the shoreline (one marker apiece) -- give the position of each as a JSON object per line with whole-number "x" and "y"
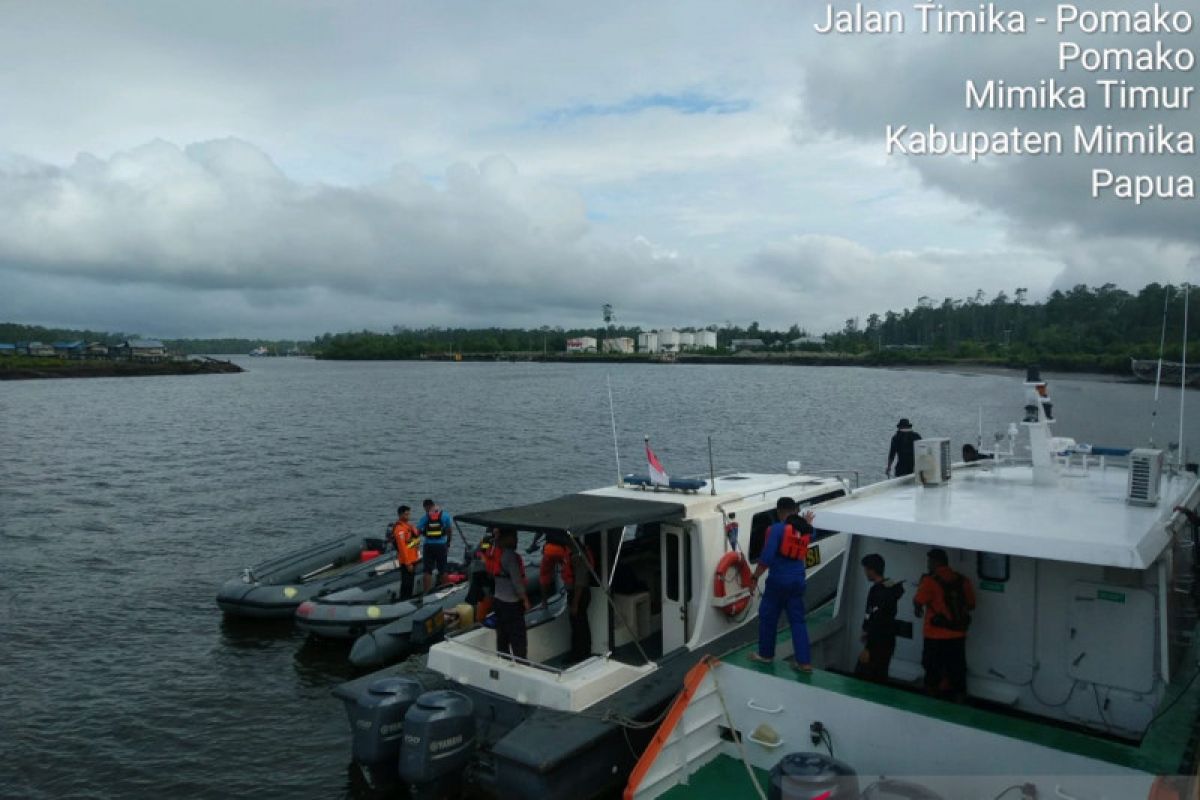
{"x": 964, "y": 366}
{"x": 17, "y": 368}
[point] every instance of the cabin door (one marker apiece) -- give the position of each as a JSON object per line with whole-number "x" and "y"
{"x": 676, "y": 587}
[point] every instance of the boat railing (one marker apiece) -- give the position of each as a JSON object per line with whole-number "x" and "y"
{"x": 456, "y": 638}
{"x": 856, "y": 474}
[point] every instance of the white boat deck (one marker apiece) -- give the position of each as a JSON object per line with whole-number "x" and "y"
{"x": 1082, "y": 517}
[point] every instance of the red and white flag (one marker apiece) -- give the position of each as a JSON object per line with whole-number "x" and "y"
{"x": 658, "y": 475}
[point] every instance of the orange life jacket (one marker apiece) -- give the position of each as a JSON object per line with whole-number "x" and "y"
{"x": 794, "y": 545}
{"x": 492, "y": 560}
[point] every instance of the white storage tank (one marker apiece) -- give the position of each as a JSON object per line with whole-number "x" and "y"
{"x": 668, "y": 341}
{"x": 706, "y": 340}
{"x": 687, "y": 340}
{"x": 647, "y": 342}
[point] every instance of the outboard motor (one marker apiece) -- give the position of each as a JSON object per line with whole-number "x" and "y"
{"x": 807, "y": 776}
{"x": 376, "y": 715}
{"x": 439, "y": 737}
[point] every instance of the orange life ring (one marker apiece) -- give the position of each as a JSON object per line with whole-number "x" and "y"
{"x": 736, "y": 602}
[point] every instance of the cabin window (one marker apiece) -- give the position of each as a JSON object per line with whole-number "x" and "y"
{"x": 992, "y": 567}
{"x": 758, "y": 532}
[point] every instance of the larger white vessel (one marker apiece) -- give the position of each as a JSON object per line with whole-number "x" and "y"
{"x": 1082, "y": 653}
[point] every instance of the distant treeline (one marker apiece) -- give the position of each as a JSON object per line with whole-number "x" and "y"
{"x": 12, "y": 332}
{"x": 1083, "y": 328}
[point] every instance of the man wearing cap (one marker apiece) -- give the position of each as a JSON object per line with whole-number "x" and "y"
{"x": 784, "y": 553}
{"x": 946, "y": 600}
{"x": 901, "y": 451}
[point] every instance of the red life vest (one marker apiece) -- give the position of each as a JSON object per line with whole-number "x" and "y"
{"x": 492, "y": 560}
{"x": 794, "y": 545}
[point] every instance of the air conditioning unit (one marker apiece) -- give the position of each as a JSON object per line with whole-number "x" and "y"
{"x": 932, "y": 461}
{"x": 1145, "y": 477}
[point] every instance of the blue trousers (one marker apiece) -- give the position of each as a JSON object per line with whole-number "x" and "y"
{"x": 779, "y": 596}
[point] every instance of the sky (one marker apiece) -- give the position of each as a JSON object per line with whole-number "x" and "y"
{"x": 287, "y": 169}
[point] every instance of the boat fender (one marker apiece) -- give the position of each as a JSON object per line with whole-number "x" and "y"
{"x": 733, "y": 603}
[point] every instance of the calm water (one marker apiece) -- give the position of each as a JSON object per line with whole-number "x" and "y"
{"x": 125, "y": 503}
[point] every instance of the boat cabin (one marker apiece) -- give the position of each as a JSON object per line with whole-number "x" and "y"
{"x": 653, "y": 591}
{"x": 1079, "y": 616}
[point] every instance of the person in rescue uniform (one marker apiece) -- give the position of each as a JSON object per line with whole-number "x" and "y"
{"x": 509, "y": 600}
{"x": 435, "y": 527}
{"x": 879, "y": 623}
{"x": 408, "y": 550}
{"x": 784, "y": 555}
{"x": 556, "y": 553}
{"x": 946, "y": 599}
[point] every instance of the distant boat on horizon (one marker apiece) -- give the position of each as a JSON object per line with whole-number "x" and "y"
{"x": 260, "y": 351}
{"x": 1146, "y": 369}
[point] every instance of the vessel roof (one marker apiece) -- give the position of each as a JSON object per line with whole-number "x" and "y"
{"x": 1081, "y": 518}
{"x": 617, "y": 506}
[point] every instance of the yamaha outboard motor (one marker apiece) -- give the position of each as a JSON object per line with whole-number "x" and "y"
{"x": 807, "y": 776}
{"x": 376, "y": 715}
{"x": 439, "y": 737}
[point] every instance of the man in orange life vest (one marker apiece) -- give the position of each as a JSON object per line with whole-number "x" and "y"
{"x": 408, "y": 550}
{"x": 784, "y": 555}
{"x": 509, "y": 599}
{"x": 946, "y": 598}
{"x": 435, "y": 528}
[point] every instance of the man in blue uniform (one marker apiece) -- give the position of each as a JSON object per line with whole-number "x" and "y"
{"x": 784, "y": 555}
{"x": 435, "y": 528}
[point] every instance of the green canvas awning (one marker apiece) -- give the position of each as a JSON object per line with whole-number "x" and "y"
{"x": 578, "y": 514}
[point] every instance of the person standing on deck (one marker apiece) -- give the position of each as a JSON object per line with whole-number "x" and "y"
{"x": 435, "y": 528}
{"x": 408, "y": 550}
{"x": 879, "y": 624}
{"x": 510, "y": 600}
{"x": 901, "y": 451}
{"x": 946, "y": 599}
{"x": 784, "y": 555}
{"x": 578, "y": 578}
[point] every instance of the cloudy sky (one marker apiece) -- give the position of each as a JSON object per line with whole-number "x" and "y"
{"x": 284, "y": 169}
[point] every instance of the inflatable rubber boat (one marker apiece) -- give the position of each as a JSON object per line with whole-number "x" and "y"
{"x": 274, "y": 588}
{"x": 431, "y": 616}
{"x": 349, "y": 613}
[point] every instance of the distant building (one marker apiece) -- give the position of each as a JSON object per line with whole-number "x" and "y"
{"x": 7, "y": 349}
{"x": 648, "y": 342}
{"x": 36, "y": 349}
{"x": 746, "y": 344}
{"x": 668, "y": 341}
{"x": 94, "y": 350}
{"x": 68, "y": 349}
{"x": 622, "y": 344}
{"x": 149, "y": 350}
{"x": 803, "y": 341}
{"x": 706, "y": 340}
{"x": 583, "y": 344}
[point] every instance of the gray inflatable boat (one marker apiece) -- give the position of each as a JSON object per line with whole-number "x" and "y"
{"x": 426, "y": 623}
{"x": 273, "y": 589}
{"x": 349, "y": 613}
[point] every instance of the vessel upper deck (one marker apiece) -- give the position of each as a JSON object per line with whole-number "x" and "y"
{"x": 1081, "y": 517}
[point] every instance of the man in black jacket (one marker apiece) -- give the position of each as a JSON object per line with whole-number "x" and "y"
{"x": 879, "y": 624}
{"x": 901, "y": 451}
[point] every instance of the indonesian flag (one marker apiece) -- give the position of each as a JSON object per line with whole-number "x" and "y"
{"x": 658, "y": 475}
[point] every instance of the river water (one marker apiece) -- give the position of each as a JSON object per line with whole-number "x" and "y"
{"x": 126, "y": 502}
